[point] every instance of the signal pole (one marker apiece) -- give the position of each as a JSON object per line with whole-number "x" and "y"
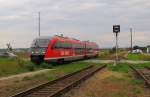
{"x": 116, "y": 30}
{"x": 39, "y": 19}
{"x": 116, "y": 47}
{"x": 131, "y": 40}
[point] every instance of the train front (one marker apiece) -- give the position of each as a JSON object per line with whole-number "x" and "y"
{"x": 38, "y": 49}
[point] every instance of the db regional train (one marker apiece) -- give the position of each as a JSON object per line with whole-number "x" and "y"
{"x": 60, "y": 49}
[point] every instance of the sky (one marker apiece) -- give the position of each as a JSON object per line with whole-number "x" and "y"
{"x": 82, "y": 19}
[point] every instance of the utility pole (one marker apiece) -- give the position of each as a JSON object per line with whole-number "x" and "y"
{"x": 39, "y": 19}
{"x": 131, "y": 40}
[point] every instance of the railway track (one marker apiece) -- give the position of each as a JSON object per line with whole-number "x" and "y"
{"x": 147, "y": 67}
{"x": 61, "y": 85}
{"x": 143, "y": 73}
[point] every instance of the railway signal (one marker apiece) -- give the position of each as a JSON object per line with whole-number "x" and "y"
{"x": 116, "y": 30}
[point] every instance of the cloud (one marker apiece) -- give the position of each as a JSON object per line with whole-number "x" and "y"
{"x": 82, "y": 19}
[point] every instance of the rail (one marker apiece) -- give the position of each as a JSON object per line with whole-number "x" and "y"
{"x": 61, "y": 85}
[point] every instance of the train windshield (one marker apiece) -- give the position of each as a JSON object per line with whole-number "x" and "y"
{"x": 40, "y": 42}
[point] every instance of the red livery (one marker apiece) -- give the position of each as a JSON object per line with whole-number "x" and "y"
{"x": 60, "y": 49}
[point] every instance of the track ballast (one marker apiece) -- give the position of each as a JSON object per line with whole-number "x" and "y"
{"x": 61, "y": 85}
{"x": 143, "y": 73}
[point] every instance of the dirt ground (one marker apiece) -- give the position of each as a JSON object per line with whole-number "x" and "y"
{"x": 108, "y": 83}
{"x": 17, "y": 83}
{"x": 105, "y": 83}
{"x": 21, "y": 76}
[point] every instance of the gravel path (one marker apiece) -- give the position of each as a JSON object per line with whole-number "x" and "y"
{"x": 111, "y": 61}
{"x": 22, "y": 75}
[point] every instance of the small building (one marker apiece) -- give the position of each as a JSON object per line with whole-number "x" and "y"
{"x": 137, "y": 51}
{"x": 148, "y": 49}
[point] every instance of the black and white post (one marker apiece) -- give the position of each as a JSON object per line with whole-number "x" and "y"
{"x": 116, "y": 30}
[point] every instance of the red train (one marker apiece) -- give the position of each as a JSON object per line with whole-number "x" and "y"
{"x": 60, "y": 49}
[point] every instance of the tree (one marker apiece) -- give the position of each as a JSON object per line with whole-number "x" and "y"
{"x": 9, "y": 47}
{"x": 136, "y": 47}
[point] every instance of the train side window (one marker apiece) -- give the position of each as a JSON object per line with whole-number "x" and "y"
{"x": 57, "y": 45}
{"x": 66, "y": 45}
{"x": 61, "y": 44}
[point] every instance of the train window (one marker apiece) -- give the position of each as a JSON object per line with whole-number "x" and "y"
{"x": 78, "y": 46}
{"x": 41, "y": 42}
{"x": 61, "y": 44}
{"x": 57, "y": 45}
{"x": 66, "y": 45}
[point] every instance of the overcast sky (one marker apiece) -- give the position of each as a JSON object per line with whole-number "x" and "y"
{"x": 82, "y": 19}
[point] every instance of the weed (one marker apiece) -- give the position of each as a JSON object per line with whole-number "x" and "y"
{"x": 52, "y": 77}
{"x": 27, "y": 78}
{"x": 115, "y": 79}
{"x": 122, "y": 67}
{"x": 138, "y": 57}
{"x": 137, "y": 81}
{"x": 137, "y": 90}
{"x": 46, "y": 65}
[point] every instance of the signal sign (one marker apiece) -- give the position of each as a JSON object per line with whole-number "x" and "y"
{"x": 116, "y": 28}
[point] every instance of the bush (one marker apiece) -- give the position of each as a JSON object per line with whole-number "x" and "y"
{"x": 28, "y": 65}
{"x": 113, "y": 50}
{"x": 20, "y": 62}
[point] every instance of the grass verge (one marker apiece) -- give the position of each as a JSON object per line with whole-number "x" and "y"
{"x": 11, "y": 66}
{"x": 139, "y": 57}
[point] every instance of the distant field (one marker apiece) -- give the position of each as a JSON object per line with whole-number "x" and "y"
{"x": 109, "y": 55}
{"x": 122, "y": 54}
{"x": 139, "y": 57}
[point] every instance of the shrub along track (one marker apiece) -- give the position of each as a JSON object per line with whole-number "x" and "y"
{"x": 143, "y": 73}
{"x": 59, "y": 86}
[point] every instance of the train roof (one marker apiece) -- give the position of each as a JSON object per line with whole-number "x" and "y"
{"x": 67, "y": 38}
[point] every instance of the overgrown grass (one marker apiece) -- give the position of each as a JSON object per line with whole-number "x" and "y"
{"x": 60, "y": 70}
{"x": 139, "y": 57}
{"x": 121, "y": 67}
{"x": 124, "y": 67}
{"x": 71, "y": 67}
{"x": 136, "y": 81}
{"x": 10, "y": 66}
{"x": 141, "y": 65}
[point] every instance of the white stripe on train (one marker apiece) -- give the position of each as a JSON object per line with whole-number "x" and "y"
{"x": 69, "y": 57}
